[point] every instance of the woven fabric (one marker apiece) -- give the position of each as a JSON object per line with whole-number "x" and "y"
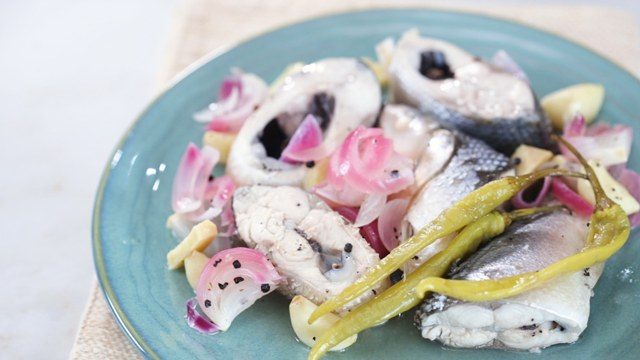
{"x": 202, "y": 26}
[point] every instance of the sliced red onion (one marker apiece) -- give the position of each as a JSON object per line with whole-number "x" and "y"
{"x": 563, "y": 193}
{"x": 232, "y": 281}
{"x": 319, "y": 152}
{"x": 239, "y": 95}
{"x": 369, "y": 232}
{"x": 209, "y": 214}
{"x": 346, "y": 196}
{"x": 226, "y": 231}
{"x": 303, "y": 145}
{"x": 371, "y": 150}
{"x": 220, "y": 190}
{"x": 608, "y": 145}
{"x": 576, "y": 127}
{"x": 370, "y": 209}
{"x": 367, "y": 163}
{"x": 348, "y": 213}
{"x": 631, "y": 181}
{"x": 227, "y": 221}
{"x": 190, "y": 183}
{"x": 197, "y": 321}
{"x": 501, "y": 59}
{"x": 519, "y": 201}
{"x": 389, "y": 222}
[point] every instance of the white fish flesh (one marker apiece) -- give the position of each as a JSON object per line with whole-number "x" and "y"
{"x": 464, "y": 92}
{"x": 341, "y": 93}
{"x": 318, "y": 251}
{"x": 554, "y": 313}
{"x": 450, "y": 166}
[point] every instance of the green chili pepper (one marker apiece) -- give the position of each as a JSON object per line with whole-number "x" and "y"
{"x": 608, "y": 232}
{"x": 401, "y": 297}
{"x": 469, "y": 209}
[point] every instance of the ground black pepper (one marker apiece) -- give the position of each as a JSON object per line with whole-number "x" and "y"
{"x": 236, "y": 264}
{"x": 265, "y": 288}
{"x": 396, "y": 276}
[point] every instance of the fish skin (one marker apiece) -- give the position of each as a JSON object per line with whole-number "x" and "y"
{"x": 472, "y": 165}
{"x": 357, "y": 102}
{"x": 526, "y": 321}
{"x": 286, "y": 223}
{"x": 557, "y": 235}
{"x": 503, "y": 134}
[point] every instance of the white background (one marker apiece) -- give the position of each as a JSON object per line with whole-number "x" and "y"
{"x": 73, "y": 75}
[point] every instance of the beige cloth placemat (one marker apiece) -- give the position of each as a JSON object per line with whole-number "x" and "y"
{"x": 201, "y": 26}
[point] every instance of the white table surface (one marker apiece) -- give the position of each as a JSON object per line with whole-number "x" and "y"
{"x": 73, "y": 75}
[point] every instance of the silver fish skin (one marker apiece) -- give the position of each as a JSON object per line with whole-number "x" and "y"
{"x": 480, "y": 99}
{"x": 472, "y": 164}
{"x": 556, "y": 312}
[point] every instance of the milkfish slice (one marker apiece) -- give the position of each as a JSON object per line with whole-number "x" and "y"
{"x": 555, "y": 313}
{"x": 465, "y": 92}
{"x": 316, "y": 250}
{"x": 341, "y": 93}
{"x": 449, "y": 166}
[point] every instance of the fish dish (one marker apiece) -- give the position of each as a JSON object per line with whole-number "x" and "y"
{"x": 427, "y": 181}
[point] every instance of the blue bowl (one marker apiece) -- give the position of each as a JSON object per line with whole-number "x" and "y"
{"x": 130, "y": 240}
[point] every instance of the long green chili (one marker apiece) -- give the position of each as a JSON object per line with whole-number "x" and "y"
{"x": 608, "y": 231}
{"x": 469, "y": 209}
{"x": 401, "y": 297}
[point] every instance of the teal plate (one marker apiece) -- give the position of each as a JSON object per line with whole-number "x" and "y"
{"x": 130, "y": 240}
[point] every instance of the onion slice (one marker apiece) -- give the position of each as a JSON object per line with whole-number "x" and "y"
{"x": 227, "y": 221}
{"x": 220, "y": 190}
{"x": 191, "y": 181}
{"x": 563, "y": 193}
{"x": 346, "y": 196}
{"x": 608, "y": 145}
{"x": 196, "y": 195}
{"x": 369, "y": 232}
{"x": 370, "y": 209}
{"x": 197, "y": 321}
{"x": 631, "y": 181}
{"x": 389, "y": 222}
{"x": 367, "y": 163}
{"x": 232, "y": 281}
{"x": 305, "y": 144}
{"x": 519, "y": 201}
{"x": 238, "y": 97}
